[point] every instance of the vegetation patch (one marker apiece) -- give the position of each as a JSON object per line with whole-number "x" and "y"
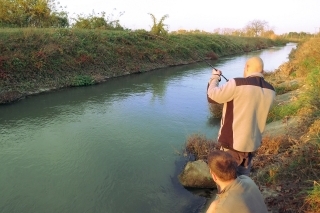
{"x": 198, "y": 147}
{"x": 34, "y": 58}
{"x": 82, "y": 80}
{"x": 289, "y": 164}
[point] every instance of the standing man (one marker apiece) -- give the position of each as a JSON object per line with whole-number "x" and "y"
{"x": 247, "y": 102}
{"x": 237, "y": 194}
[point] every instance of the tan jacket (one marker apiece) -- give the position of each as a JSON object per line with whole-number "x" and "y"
{"x": 241, "y": 196}
{"x": 247, "y": 102}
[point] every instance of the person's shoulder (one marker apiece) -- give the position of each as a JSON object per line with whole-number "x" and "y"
{"x": 245, "y": 178}
{"x": 231, "y": 81}
{"x": 246, "y": 181}
{"x": 212, "y": 207}
{"x": 269, "y": 84}
{"x": 238, "y": 79}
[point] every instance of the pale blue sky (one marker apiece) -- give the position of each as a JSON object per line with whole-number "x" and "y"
{"x": 282, "y": 15}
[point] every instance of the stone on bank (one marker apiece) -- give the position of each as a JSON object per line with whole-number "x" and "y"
{"x": 196, "y": 174}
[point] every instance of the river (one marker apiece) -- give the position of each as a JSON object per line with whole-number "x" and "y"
{"x": 113, "y": 147}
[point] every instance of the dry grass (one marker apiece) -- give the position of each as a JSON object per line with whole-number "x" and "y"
{"x": 287, "y": 165}
{"x": 198, "y": 146}
{"x": 290, "y": 164}
{"x": 313, "y": 199}
{"x": 215, "y": 110}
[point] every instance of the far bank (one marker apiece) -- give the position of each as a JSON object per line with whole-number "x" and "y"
{"x": 39, "y": 60}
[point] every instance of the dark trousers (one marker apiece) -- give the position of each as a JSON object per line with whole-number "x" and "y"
{"x": 244, "y": 161}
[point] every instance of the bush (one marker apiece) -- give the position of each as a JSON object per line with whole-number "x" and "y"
{"x": 199, "y": 146}
{"x": 82, "y": 80}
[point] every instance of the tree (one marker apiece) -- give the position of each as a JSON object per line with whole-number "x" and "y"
{"x": 31, "y": 13}
{"x": 159, "y": 28}
{"x": 92, "y": 21}
{"x": 59, "y": 20}
{"x": 268, "y": 34}
{"x": 238, "y": 33}
{"x": 256, "y": 27}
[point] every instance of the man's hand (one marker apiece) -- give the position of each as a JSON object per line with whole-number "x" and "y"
{"x": 216, "y": 72}
{"x": 215, "y": 75}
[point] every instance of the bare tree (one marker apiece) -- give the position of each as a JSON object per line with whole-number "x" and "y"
{"x": 256, "y": 27}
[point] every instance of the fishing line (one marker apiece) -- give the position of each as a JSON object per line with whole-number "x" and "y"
{"x": 203, "y": 59}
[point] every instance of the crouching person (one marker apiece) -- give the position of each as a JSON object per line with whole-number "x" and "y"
{"x": 235, "y": 194}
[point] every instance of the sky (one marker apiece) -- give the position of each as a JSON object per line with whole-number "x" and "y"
{"x": 283, "y": 16}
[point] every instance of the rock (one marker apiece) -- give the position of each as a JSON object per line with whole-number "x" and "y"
{"x": 286, "y": 97}
{"x": 282, "y": 127}
{"x": 196, "y": 174}
{"x": 291, "y": 83}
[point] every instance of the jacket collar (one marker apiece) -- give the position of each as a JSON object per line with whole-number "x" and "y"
{"x": 255, "y": 74}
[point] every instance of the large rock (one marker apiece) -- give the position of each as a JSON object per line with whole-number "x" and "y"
{"x": 196, "y": 174}
{"x": 282, "y": 127}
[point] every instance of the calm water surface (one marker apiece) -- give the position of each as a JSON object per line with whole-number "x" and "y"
{"x": 113, "y": 147}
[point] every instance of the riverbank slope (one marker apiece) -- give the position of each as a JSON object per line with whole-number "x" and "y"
{"x": 287, "y": 165}
{"x": 39, "y": 60}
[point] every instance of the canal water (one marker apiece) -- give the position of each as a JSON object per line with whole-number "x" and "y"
{"x": 113, "y": 147}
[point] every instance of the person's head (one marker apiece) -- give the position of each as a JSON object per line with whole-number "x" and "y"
{"x": 222, "y": 166}
{"x": 253, "y": 65}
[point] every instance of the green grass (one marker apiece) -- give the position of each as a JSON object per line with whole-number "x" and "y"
{"x": 289, "y": 164}
{"x": 280, "y": 112}
{"x": 32, "y": 59}
{"x": 300, "y": 160}
{"x": 284, "y": 89}
{"x": 82, "y": 80}
{"x": 313, "y": 197}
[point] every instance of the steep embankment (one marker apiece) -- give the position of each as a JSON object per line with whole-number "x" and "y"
{"x": 36, "y": 60}
{"x": 287, "y": 165}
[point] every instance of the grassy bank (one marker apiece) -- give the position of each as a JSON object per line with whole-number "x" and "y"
{"x": 287, "y": 166}
{"x": 293, "y": 168}
{"x": 34, "y": 60}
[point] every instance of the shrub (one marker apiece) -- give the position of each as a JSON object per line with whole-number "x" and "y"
{"x": 199, "y": 146}
{"x": 83, "y": 80}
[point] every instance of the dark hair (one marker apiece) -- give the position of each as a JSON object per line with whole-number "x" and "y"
{"x": 223, "y": 165}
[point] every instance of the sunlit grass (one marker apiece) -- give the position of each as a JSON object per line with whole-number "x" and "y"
{"x": 290, "y": 163}
{"x": 280, "y": 112}
{"x": 313, "y": 198}
{"x": 32, "y": 59}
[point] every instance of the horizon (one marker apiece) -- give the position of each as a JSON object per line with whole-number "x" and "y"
{"x": 282, "y": 16}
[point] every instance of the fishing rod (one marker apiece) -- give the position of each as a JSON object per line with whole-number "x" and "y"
{"x": 197, "y": 55}
{"x": 214, "y": 68}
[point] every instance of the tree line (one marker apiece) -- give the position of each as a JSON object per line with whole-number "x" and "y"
{"x": 49, "y": 13}
{"x": 31, "y": 13}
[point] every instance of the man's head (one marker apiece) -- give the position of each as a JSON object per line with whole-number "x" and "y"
{"x": 253, "y": 65}
{"x": 222, "y": 166}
